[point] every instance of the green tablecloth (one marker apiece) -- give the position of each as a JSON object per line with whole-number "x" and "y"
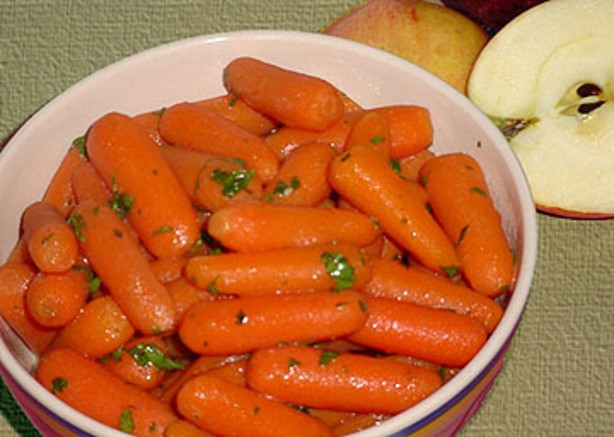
{"x": 558, "y": 379}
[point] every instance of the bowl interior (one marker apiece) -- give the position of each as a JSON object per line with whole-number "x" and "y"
{"x": 192, "y": 69}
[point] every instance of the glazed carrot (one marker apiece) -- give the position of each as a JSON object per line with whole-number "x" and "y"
{"x": 228, "y": 409}
{"x": 194, "y": 127}
{"x": 51, "y": 243}
{"x": 232, "y": 372}
{"x": 59, "y": 192}
{"x": 256, "y": 227}
{"x": 183, "y": 428}
{"x": 87, "y": 183}
{"x": 168, "y": 269}
{"x": 200, "y": 365}
{"x": 294, "y": 99}
{"x": 439, "y": 336}
{"x": 401, "y": 215}
{"x": 371, "y": 130}
{"x": 410, "y": 127}
{"x": 54, "y": 299}
{"x": 301, "y": 179}
{"x": 459, "y": 197}
{"x": 91, "y": 389}
{"x": 212, "y": 182}
{"x": 357, "y": 422}
{"x": 285, "y": 139}
{"x": 320, "y": 378}
{"x": 142, "y": 362}
{"x": 149, "y": 121}
{"x": 99, "y": 329}
{"x": 237, "y": 111}
{"x": 131, "y": 165}
{"x": 392, "y": 280}
{"x": 280, "y": 271}
{"x": 116, "y": 258}
{"x": 409, "y": 168}
{"x": 185, "y": 294}
{"x": 235, "y": 326}
{"x": 15, "y": 278}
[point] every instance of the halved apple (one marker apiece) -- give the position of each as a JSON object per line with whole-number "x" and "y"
{"x": 547, "y": 79}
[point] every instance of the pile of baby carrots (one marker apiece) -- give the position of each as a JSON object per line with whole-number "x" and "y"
{"x": 274, "y": 261}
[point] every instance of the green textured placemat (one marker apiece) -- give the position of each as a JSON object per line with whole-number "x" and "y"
{"x": 557, "y": 380}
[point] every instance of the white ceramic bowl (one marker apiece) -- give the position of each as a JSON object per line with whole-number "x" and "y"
{"x": 191, "y": 69}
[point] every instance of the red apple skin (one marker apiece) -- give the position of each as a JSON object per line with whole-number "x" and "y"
{"x": 436, "y": 38}
{"x": 491, "y": 15}
{"x": 574, "y": 215}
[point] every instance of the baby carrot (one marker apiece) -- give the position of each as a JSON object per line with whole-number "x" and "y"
{"x": 227, "y": 409}
{"x": 321, "y": 378}
{"x": 285, "y": 139}
{"x": 301, "y": 179}
{"x": 409, "y": 168}
{"x": 256, "y": 227}
{"x": 212, "y": 182}
{"x": 15, "y": 278}
{"x": 149, "y": 122}
{"x": 390, "y": 279}
{"x": 200, "y": 365}
{"x": 117, "y": 259}
{"x": 51, "y": 243}
{"x": 54, "y": 299}
{"x": 280, "y": 271}
{"x": 371, "y": 130}
{"x": 438, "y": 336}
{"x": 194, "y": 127}
{"x": 237, "y": 111}
{"x": 91, "y": 389}
{"x": 142, "y": 362}
{"x": 183, "y": 428}
{"x": 59, "y": 192}
{"x": 168, "y": 269}
{"x": 132, "y": 166}
{"x": 294, "y": 99}
{"x": 401, "y": 215}
{"x": 99, "y": 329}
{"x": 235, "y": 326}
{"x": 410, "y": 127}
{"x": 87, "y": 183}
{"x": 185, "y": 294}
{"x": 460, "y": 200}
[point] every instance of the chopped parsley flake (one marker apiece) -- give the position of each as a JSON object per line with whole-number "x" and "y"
{"x": 58, "y": 385}
{"x": 327, "y": 356}
{"x": 151, "y": 355}
{"x": 241, "y": 318}
{"x": 232, "y": 181}
{"x": 450, "y": 271}
{"x": 478, "y": 190}
{"x": 77, "y": 224}
{"x": 396, "y": 166}
{"x": 79, "y": 143}
{"x": 162, "y": 230}
{"x": 126, "y": 421}
{"x": 339, "y": 269}
{"x": 47, "y": 238}
{"x": 121, "y": 204}
{"x": 285, "y": 189}
{"x": 293, "y": 362}
{"x": 379, "y": 139}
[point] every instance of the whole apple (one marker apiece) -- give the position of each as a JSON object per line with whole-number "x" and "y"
{"x": 434, "y": 37}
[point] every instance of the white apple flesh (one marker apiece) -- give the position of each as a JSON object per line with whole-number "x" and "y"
{"x": 553, "y": 68}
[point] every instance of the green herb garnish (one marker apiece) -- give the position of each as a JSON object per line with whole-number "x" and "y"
{"x": 58, "y": 385}
{"x": 339, "y": 269}
{"x": 327, "y": 356}
{"x": 232, "y": 181}
{"x": 126, "y": 421}
{"x": 151, "y": 355}
{"x": 77, "y": 224}
{"x": 284, "y": 189}
{"x": 121, "y": 204}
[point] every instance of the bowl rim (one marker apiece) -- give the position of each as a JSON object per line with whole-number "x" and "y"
{"x": 527, "y": 251}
